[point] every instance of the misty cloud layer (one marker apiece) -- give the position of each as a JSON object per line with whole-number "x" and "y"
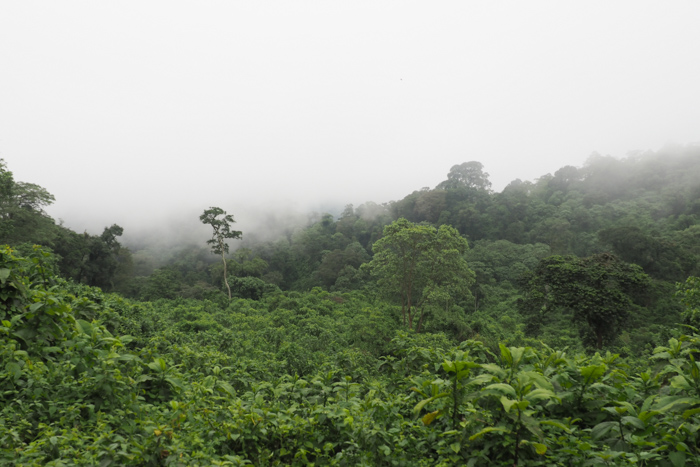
{"x": 144, "y": 114}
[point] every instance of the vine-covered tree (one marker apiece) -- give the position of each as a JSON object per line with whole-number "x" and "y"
{"x": 599, "y": 290}
{"x": 221, "y": 231}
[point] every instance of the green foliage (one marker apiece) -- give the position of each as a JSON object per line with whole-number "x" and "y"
{"x": 22, "y": 216}
{"x": 420, "y": 265}
{"x": 499, "y": 267}
{"x": 97, "y": 260}
{"x": 689, "y": 294}
{"x": 162, "y": 283}
{"x": 221, "y": 232}
{"x": 467, "y": 175}
{"x": 323, "y": 378}
{"x": 657, "y": 256}
{"x": 221, "y": 229}
{"x": 248, "y": 287}
{"x": 306, "y": 363}
{"x": 600, "y": 292}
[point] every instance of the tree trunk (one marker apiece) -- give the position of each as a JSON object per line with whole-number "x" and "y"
{"x": 403, "y": 310}
{"x": 226, "y": 277}
{"x": 410, "y": 314}
{"x": 420, "y": 322}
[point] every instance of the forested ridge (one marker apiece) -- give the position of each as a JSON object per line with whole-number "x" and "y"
{"x": 552, "y": 323}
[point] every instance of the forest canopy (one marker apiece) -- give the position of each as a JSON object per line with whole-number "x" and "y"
{"x": 552, "y": 323}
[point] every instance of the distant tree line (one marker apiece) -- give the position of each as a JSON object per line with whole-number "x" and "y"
{"x": 644, "y": 210}
{"x": 96, "y": 260}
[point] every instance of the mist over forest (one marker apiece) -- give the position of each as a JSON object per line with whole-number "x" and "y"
{"x": 642, "y": 207}
{"x": 553, "y": 321}
{"x": 173, "y": 228}
{"x": 349, "y": 233}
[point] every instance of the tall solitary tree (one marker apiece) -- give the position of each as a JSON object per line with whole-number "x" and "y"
{"x": 222, "y": 231}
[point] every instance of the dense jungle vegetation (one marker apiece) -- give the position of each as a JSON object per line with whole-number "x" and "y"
{"x": 553, "y": 323}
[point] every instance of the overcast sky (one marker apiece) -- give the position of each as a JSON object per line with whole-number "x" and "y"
{"x": 131, "y": 112}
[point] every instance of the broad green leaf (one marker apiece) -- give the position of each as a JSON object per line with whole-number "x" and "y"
{"x": 539, "y": 394}
{"x": 540, "y": 380}
{"x": 208, "y": 382}
{"x": 629, "y": 408}
{"x": 592, "y": 373}
{"x": 694, "y": 370}
{"x": 494, "y": 370}
{"x": 633, "y": 421}
{"x": 127, "y": 357}
{"x": 419, "y": 406}
{"x": 561, "y": 426}
{"x": 644, "y": 416}
{"x": 602, "y": 429}
{"x": 422, "y": 393}
{"x": 517, "y": 355}
{"x": 126, "y": 339}
{"x": 532, "y": 425}
{"x": 682, "y": 447}
{"x": 507, "y": 403}
{"x": 4, "y": 274}
{"x": 227, "y": 388}
{"x": 664, "y": 404}
{"x": 26, "y": 334}
{"x": 600, "y": 386}
{"x": 83, "y": 326}
{"x": 158, "y": 365}
{"x": 615, "y": 411}
{"x": 14, "y": 369}
{"x": 500, "y": 388}
{"x": 647, "y": 403}
{"x": 481, "y": 379}
{"x": 489, "y": 429}
{"x": 689, "y": 413}
{"x": 175, "y": 382}
{"x": 506, "y": 354}
{"x": 677, "y": 458}
{"x": 679, "y": 382}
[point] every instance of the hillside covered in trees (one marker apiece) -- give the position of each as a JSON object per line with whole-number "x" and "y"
{"x": 552, "y": 323}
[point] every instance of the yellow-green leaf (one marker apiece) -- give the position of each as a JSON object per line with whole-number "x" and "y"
{"x": 429, "y": 417}
{"x": 540, "y": 448}
{"x": 488, "y": 430}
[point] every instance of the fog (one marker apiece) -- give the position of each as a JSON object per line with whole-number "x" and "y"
{"x": 146, "y": 113}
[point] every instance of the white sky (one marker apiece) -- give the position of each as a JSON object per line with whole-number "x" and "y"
{"x": 133, "y": 111}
